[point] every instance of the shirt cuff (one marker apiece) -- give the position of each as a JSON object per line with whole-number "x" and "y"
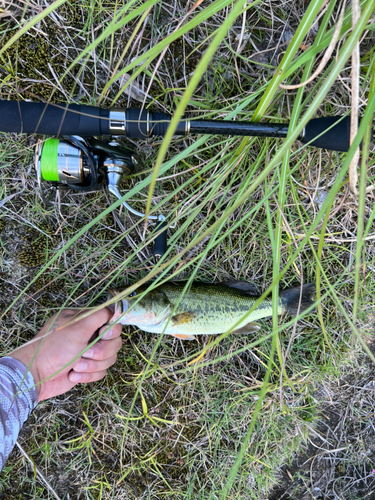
{"x": 21, "y": 375}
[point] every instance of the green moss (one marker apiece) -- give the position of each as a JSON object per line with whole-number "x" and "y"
{"x": 37, "y": 55}
{"x": 105, "y": 232}
{"x": 35, "y": 250}
{"x": 49, "y": 290}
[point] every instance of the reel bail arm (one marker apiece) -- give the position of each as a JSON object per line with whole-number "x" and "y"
{"x": 113, "y": 175}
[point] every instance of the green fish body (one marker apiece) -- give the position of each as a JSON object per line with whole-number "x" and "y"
{"x": 204, "y": 308}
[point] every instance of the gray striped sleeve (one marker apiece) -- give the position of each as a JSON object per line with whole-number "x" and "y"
{"x": 18, "y": 397}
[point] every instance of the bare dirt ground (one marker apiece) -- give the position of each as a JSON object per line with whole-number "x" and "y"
{"x": 338, "y": 460}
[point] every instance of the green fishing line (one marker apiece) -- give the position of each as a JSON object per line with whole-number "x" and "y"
{"x": 48, "y": 160}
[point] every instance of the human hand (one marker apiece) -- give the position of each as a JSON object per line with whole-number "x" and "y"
{"x": 62, "y": 344}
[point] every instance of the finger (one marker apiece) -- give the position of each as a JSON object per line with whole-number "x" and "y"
{"x": 83, "y": 378}
{"x": 110, "y": 331}
{"x": 90, "y": 365}
{"x": 88, "y": 324}
{"x": 94, "y": 321}
{"x": 103, "y": 349}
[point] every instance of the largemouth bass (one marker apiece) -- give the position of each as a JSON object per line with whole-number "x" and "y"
{"x": 204, "y": 309}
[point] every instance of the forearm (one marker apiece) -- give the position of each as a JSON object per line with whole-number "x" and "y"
{"x": 18, "y": 397}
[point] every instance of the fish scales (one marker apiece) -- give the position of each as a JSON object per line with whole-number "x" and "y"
{"x": 216, "y": 309}
{"x": 204, "y": 308}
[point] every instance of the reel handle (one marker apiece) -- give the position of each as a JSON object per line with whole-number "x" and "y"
{"x": 160, "y": 243}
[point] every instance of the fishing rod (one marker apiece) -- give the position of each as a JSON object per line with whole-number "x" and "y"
{"x": 332, "y": 132}
{"x": 75, "y": 159}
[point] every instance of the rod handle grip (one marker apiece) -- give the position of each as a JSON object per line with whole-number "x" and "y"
{"x": 335, "y": 139}
{"x": 53, "y": 119}
{"x": 160, "y": 243}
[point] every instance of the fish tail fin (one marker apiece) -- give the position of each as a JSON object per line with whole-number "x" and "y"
{"x": 291, "y": 298}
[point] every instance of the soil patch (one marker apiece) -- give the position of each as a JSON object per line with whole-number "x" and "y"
{"x": 338, "y": 461}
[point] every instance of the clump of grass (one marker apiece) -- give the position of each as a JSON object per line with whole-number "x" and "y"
{"x": 216, "y": 417}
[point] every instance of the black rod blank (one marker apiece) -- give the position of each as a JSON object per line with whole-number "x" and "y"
{"x": 331, "y": 132}
{"x": 223, "y": 127}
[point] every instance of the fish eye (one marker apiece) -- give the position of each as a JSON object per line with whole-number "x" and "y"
{"x": 133, "y": 294}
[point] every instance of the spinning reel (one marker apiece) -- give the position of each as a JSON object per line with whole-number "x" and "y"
{"x": 85, "y": 165}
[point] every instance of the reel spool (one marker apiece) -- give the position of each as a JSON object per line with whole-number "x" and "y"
{"x": 53, "y": 165}
{"x": 78, "y": 163}
{"x": 83, "y": 165}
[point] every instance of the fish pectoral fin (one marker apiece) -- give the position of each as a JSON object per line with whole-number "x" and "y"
{"x": 183, "y": 336}
{"x": 249, "y": 328}
{"x": 180, "y": 319}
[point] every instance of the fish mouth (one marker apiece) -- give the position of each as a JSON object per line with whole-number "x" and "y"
{"x": 118, "y": 308}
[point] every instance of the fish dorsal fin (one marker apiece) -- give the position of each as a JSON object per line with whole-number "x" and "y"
{"x": 247, "y": 329}
{"x": 243, "y": 286}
